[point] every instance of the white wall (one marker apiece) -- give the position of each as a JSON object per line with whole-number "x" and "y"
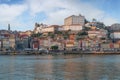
{"x": 73, "y": 27}
{"x": 115, "y": 35}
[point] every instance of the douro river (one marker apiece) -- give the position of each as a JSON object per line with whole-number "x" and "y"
{"x": 60, "y": 67}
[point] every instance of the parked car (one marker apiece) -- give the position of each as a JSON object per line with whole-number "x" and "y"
{"x": 43, "y": 50}
{"x": 28, "y": 49}
{"x": 74, "y": 49}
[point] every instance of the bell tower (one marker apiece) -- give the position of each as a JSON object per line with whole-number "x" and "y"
{"x": 8, "y": 27}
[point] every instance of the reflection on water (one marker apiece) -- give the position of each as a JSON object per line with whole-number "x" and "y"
{"x": 60, "y": 67}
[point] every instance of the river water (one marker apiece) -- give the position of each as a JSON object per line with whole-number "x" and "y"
{"x": 60, "y": 67}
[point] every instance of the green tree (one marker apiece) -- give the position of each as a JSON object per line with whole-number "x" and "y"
{"x": 83, "y": 33}
{"x": 86, "y": 29}
{"x": 94, "y": 20}
{"x": 51, "y": 35}
{"x": 65, "y": 35}
{"x": 36, "y": 35}
{"x": 103, "y": 38}
{"x": 54, "y": 47}
{"x": 58, "y": 32}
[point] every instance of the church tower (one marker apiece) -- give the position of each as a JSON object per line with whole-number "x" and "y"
{"x": 8, "y": 27}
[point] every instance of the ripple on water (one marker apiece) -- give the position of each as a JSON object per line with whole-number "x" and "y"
{"x": 60, "y": 67}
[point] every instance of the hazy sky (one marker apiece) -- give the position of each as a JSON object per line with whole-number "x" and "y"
{"x": 22, "y": 14}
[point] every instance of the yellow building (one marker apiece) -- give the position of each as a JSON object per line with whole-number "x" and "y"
{"x": 8, "y": 43}
{"x": 26, "y": 33}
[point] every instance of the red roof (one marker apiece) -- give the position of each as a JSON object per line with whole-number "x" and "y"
{"x": 23, "y": 36}
{"x": 6, "y": 35}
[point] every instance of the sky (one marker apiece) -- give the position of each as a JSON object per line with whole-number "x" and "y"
{"x": 23, "y": 14}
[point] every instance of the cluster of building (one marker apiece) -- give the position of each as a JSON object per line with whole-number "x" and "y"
{"x": 74, "y": 23}
{"x": 76, "y": 33}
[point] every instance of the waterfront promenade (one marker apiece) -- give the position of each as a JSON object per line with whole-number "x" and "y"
{"x": 55, "y": 52}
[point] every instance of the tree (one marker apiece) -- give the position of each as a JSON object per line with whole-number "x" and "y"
{"x": 65, "y": 35}
{"x": 58, "y": 32}
{"x": 79, "y": 38}
{"x": 103, "y": 38}
{"x": 36, "y": 35}
{"x": 83, "y": 33}
{"x": 54, "y": 47}
{"x": 51, "y": 35}
{"x": 86, "y": 29}
{"x": 94, "y": 20}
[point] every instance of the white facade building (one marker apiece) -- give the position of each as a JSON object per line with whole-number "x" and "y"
{"x": 74, "y": 23}
{"x": 72, "y": 20}
{"x": 115, "y": 35}
{"x": 97, "y": 33}
{"x": 72, "y": 27}
{"x": 51, "y": 28}
{"x": 47, "y": 29}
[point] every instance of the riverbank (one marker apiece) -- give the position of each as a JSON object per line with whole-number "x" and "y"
{"x": 56, "y": 53}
